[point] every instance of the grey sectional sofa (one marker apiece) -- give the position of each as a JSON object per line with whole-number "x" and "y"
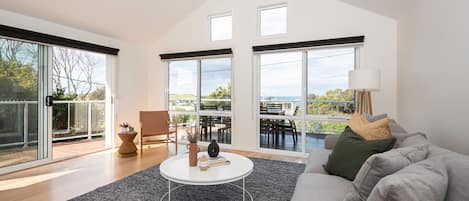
{"x": 316, "y": 185}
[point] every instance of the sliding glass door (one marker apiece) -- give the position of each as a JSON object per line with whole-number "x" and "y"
{"x": 23, "y": 115}
{"x": 199, "y": 94}
{"x": 78, "y": 118}
{"x": 79, "y": 90}
{"x": 303, "y": 97}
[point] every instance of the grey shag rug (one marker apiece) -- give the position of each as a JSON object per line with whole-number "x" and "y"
{"x": 270, "y": 180}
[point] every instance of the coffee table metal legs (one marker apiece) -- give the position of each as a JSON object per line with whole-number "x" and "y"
{"x": 169, "y": 190}
{"x": 244, "y": 190}
{"x": 168, "y": 194}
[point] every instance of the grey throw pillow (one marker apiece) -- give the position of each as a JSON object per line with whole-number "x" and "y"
{"x": 371, "y": 118}
{"x": 400, "y": 137}
{"x": 415, "y": 139}
{"x": 381, "y": 165}
{"x": 395, "y": 127}
{"x": 426, "y": 180}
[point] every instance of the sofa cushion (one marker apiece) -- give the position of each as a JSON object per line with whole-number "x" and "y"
{"x": 381, "y": 165}
{"x": 330, "y": 141}
{"x": 351, "y": 151}
{"x": 426, "y": 180}
{"x": 320, "y": 187}
{"x": 458, "y": 172}
{"x": 458, "y": 176}
{"x": 316, "y": 160}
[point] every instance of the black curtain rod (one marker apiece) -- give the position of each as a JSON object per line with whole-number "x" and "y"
{"x": 23, "y": 34}
{"x": 314, "y": 43}
{"x": 180, "y": 55}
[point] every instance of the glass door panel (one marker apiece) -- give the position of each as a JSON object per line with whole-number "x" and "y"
{"x": 328, "y": 92}
{"x": 215, "y": 84}
{"x": 22, "y": 89}
{"x": 183, "y": 86}
{"x": 281, "y": 76}
{"x": 79, "y": 81}
{"x": 199, "y": 95}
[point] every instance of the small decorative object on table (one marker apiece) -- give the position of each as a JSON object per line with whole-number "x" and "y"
{"x": 204, "y": 163}
{"x": 193, "y": 137}
{"x": 218, "y": 161}
{"x": 213, "y": 149}
{"x": 125, "y": 127}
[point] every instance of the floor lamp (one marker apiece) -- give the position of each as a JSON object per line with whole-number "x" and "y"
{"x": 364, "y": 81}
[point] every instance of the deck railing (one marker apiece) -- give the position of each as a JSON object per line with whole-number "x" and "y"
{"x": 94, "y": 116}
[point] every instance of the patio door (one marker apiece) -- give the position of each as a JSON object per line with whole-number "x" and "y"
{"x": 303, "y": 96}
{"x": 24, "y": 115}
{"x": 81, "y": 114}
{"x": 199, "y": 94}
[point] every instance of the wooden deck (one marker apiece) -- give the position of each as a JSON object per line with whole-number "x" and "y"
{"x": 69, "y": 178}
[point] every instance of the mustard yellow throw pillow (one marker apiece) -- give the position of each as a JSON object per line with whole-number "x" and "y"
{"x": 376, "y": 130}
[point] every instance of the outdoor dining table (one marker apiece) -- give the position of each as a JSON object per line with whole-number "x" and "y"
{"x": 275, "y": 123}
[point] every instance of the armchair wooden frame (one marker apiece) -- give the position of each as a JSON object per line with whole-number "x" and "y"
{"x": 154, "y": 124}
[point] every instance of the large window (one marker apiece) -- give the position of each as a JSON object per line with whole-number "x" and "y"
{"x": 304, "y": 96}
{"x": 200, "y": 95}
{"x": 272, "y": 20}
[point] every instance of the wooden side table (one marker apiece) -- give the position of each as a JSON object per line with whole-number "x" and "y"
{"x": 127, "y": 148}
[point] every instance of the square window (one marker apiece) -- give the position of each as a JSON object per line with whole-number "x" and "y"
{"x": 220, "y": 27}
{"x": 273, "y": 20}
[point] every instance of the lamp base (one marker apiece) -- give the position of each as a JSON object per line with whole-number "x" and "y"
{"x": 364, "y": 102}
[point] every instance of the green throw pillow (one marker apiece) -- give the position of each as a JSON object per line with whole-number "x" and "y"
{"x": 351, "y": 151}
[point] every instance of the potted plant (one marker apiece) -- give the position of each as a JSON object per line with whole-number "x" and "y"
{"x": 124, "y": 126}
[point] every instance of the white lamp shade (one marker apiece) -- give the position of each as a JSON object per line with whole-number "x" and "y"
{"x": 364, "y": 79}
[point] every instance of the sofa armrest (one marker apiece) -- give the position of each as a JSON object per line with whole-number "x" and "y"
{"x": 330, "y": 141}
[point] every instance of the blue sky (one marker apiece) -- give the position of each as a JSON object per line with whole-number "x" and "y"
{"x": 99, "y": 70}
{"x": 281, "y": 73}
{"x": 214, "y": 73}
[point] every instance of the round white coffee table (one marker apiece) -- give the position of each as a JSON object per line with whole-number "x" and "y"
{"x": 176, "y": 169}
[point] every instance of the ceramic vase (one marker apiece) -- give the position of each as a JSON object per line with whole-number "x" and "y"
{"x": 213, "y": 149}
{"x": 193, "y": 149}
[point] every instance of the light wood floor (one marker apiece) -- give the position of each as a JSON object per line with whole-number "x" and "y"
{"x": 70, "y": 178}
{"x": 60, "y": 150}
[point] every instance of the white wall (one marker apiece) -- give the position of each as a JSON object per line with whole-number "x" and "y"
{"x": 307, "y": 20}
{"x": 132, "y": 62}
{"x": 434, "y": 70}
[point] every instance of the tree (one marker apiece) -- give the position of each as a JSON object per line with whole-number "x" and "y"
{"x": 17, "y": 81}
{"x": 98, "y": 94}
{"x": 76, "y": 67}
{"x": 332, "y": 103}
{"x": 221, "y": 92}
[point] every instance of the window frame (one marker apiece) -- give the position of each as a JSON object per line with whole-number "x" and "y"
{"x": 304, "y": 117}
{"x": 219, "y": 15}
{"x": 259, "y": 19}
{"x": 198, "y": 112}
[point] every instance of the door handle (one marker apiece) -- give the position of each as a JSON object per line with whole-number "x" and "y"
{"x": 49, "y": 101}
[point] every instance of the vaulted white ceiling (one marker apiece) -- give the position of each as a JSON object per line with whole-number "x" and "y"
{"x": 134, "y": 20}
{"x": 142, "y": 20}
{"x": 390, "y": 8}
